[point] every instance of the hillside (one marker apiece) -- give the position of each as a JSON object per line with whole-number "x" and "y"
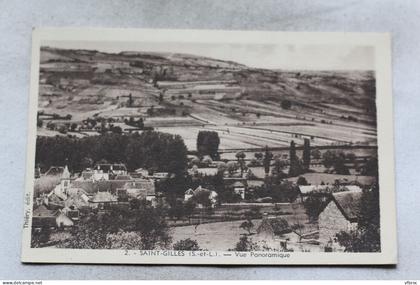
{"x": 200, "y": 91}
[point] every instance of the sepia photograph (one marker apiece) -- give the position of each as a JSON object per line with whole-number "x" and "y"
{"x": 215, "y": 147}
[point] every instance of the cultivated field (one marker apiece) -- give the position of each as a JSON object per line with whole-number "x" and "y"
{"x": 330, "y": 108}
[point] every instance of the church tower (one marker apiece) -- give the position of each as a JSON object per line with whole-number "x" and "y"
{"x": 65, "y": 180}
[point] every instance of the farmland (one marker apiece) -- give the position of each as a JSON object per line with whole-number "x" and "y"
{"x": 183, "y": 94}
{"x": 232, "y": 145}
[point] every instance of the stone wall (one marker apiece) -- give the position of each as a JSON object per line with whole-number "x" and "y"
{"x": 331, "y": 221}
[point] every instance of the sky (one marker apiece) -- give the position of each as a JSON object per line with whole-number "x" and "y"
{"x": 270, "y": 56}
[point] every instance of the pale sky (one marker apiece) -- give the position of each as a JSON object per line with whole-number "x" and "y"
{"x": 271, "y": 56}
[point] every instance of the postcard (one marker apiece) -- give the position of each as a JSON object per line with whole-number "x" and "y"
{"x": 209, "y": 147}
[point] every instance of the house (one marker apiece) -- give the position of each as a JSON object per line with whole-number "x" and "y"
{"x": 141, "y": 172}
{"x": 87, "y": 186}
{"x": 139, "y": 189}
{"x": 239, "y": 189}
{"x": 77, "y": 199}
{"x": 53, "y": 201}
{"x": 325, "y": 191}
{"x": 203, "y": 197}
{"x": 340, "y": 214}
{"x": 86, "y": 175}
{"x": 106, "y": 171}
{"x": 63, "y": 221}
{"x": 119, "y": 169}
{"x": 43, "y": 218}
{"x": 123, "y": 177}
{"x": 103, "y": 200}
{"x": 188, "y": 194}
{"x": 59, "y": 193}
{"x": 237, "y": 184}
{"x": 160, "y": 175}
{"x": 272, "y": 233}
{"x": 54, "y": 171}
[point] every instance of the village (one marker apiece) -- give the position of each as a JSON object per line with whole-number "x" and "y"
{"x": 292, "y": 216}
{"x": 139, "y": 150}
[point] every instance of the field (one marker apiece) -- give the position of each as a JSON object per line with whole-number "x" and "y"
{"x": 225, "y": 235}
{"x": 329, "y": 108}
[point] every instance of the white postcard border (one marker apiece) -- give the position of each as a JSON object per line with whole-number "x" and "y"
{"x": 381, "y": 43}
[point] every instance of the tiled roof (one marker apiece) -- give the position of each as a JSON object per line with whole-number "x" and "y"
{"x": 88, "y": 186}
{"x": 349, "y": 204}
{"x": 103, "y": 197}
{"x": 43, "y": 211}
{"x": 55, "y": 170}
{"x": 277, "y": 226}
{"x": 145, "y": 185}
{"x": 123, "y": 177}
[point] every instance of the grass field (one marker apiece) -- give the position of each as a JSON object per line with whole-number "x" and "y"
{"x": 225, "y": 235}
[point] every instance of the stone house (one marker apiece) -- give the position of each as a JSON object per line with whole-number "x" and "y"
{"x": 43, "y": 218}
{"x": 340, "y": 214}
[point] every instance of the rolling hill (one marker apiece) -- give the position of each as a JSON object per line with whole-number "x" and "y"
{"x": 201, "y": 91}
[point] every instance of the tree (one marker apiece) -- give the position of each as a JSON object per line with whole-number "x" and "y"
{"x": 286, "y": 104}
{"x": 278, "y": 166}
{"x": 247, "y": 225}
{"x": 86, "y": 162}
{"x": 240, "y": 156}
{"x": 62, "y": 129}
{"x": 202, "y": 197}
{"x": 280, "y": 190}
{"x": 295, "y": 164}
{"x": 39, "y": 122}
{"x": 130, "y": 100}
{"x": 316, "y": 153}
{"x": 336, "y": 160}
{"x": 221, "y": 168}
{"x": 151, "y": 224}
{"x": 151, "y": 150}
{"x": 267, "y": 160}
{"x": 306, "y": 154}
{"x": 232, "y": 166}
{"x": 186, "y": 244}
{"x": 258, "y": 155}
{"x": 73, "y": 127}
{"x": 208, "y": 144}
{"x": 116, "y": 130}
{"x": 371, "y": 167}
{"x": 177, "y": 209}
{"x": 40, "y": 238}
{"x": 246, "y": 244}
{"x": 151, "y": 111}
{"x": 302, "y": 181}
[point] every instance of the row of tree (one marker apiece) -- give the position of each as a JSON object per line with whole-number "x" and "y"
{"x": 151, "y": 150}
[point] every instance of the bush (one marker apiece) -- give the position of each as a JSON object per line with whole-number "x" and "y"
{"x": 302, "y": 181}
{"x": 286, "y": 104}
{"x": 186, "y": 244}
